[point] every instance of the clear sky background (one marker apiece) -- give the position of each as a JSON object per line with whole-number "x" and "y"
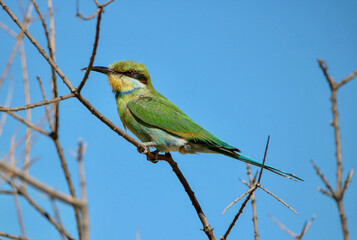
{"x": 241, "y": 69}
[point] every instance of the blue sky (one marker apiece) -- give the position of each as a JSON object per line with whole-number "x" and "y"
{"x": 241, "y": 69}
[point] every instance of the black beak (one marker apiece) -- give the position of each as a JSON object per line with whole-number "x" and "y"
{"x": 104, "y": 70}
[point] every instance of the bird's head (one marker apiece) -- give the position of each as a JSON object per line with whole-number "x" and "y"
{"x": 125, "y": 76}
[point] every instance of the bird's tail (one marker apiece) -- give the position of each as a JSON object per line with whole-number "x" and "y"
{"x": 249, "y": 160}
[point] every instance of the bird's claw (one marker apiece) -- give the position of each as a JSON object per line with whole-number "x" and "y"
{"x": 143, "y": 149}
{"x": 155, "y": 158}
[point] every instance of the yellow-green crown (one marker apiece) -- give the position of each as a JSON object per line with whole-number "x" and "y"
{"x": 125, "y": 66}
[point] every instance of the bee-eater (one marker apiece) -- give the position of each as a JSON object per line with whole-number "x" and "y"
{"x": 159, "y": 123}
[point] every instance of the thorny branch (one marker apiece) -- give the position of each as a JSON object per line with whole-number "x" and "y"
{"x": 341, "y": 187}
{"x": 224, "y": 237}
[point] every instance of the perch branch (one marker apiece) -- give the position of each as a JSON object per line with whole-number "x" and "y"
{"x": 206, "y": 227}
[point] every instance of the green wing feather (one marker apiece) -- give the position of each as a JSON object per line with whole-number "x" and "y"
{"x": 163, "y": 114}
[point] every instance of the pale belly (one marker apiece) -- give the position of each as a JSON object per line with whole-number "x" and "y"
{"x": 166, "y": 142}
{"x": 163, "y": 141}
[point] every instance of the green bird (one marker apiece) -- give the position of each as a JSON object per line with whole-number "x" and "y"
{"x": 159, "y": 123}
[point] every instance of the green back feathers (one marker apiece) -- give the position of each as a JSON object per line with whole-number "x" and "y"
{"x": 161, "y": 113}
{"x": 125, "y": 66}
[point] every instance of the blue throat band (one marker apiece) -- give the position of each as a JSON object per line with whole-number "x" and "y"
{"x": 119, "y": 94}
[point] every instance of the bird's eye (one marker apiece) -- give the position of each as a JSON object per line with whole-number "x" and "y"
{"x": 130, "y": 73}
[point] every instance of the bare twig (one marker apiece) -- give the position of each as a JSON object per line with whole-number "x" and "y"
{"x": 52, "y": 48}
{"x": 52, "y": 28}
{"x": 30, "y": 163}
{"x": 254, "y": 207}
{"x": 287, "y": 230}
{"x": 19, "y": 38}
{"x": 348, "y": 180}
{"x": 8, "y": 30}
{"x": 10, "y": 192}
{"x": 19, "y": 212}
{"x": 46, "y": 108}
{"x": 335, "y": 123}
{"x": 45, "y": 214}
{"x": 12, "y": 184}
{"x": 292, "y": 234}
{"x": 323, "y": 191}
{"x": 81, "y": 16}
{"x": 100, "y": 8}
{"x": 239, "y": 198}
{"x": 277, "y": 198}
{"x": 12, "y": 148}
{"x": 94, "y": 52}
{"x": 347, "y": 79}
{"x": 34, "y": 127}
{"x": 20, "y": 141}
{"x": 69, "y": 181}
{"x": 84, "y": 208}
{"x": 7, "y": 235}
{"x": 327, "y": 184}
{"x": 38, "y": 104}
{"x": 40, "y": 186}
{"x": 307, "y": 225}
{"x": 337, "y": 194}
{"x": 27, "y": 101}
{"x": 22, "y": 7}
{"x": 57, "y": 214}
{"x": 7, "y": 103}
{"x": 9, "y": 62}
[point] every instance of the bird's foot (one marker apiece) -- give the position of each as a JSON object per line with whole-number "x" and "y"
{"x": 145, "y": 147}
{"x": 155, "y": 158}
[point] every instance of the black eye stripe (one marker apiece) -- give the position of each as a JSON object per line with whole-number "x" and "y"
{"x": 141, "y": 77}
